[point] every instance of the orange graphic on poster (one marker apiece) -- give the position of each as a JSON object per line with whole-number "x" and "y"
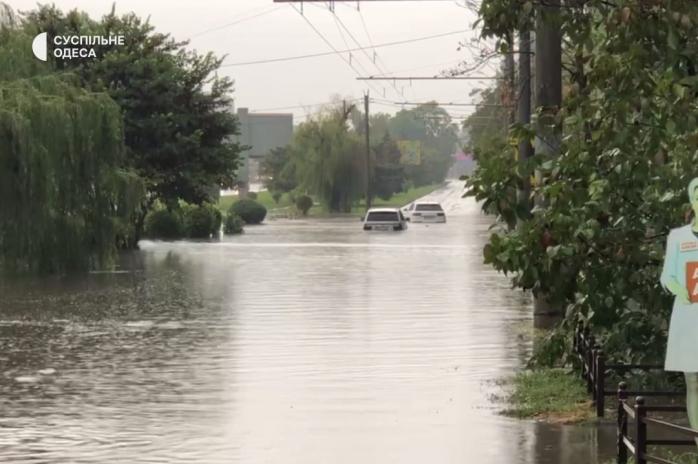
{"x": 692, "y": 281}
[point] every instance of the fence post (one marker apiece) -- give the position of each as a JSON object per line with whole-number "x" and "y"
{"x": 579, "y": 349}
{"x": 622, "y": 457}
{"x": 584, "y": 354}
{"x": 590, "y": 363}
{"x": 640, "y": 431}
{"x": 600, "y": 378}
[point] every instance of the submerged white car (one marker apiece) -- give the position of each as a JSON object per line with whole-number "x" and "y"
{"x": 425, "y": 212}
{"x": 384, "y": 219}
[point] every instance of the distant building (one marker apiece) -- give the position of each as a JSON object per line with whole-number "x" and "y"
{"x": 261, "y": 132}
{"x": 463, "y": 165}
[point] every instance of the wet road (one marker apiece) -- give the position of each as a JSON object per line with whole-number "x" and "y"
{"x": 298, "y": 342}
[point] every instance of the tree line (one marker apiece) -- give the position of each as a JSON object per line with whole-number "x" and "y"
{"x": 593, "y": 245}
{"x": 326, "y": 157}
{"x": 91, "y": 146}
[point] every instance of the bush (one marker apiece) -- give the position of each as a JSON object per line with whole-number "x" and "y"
{"x": 249, "y": 210}
{"x": 164, "y": 224}
{"x": 233, "y": 224}
{"x": 252, "y": 195}
{"x": 276, "y": 196}
{"x": 202, "y": 221}
{"x": 304, "y": 203}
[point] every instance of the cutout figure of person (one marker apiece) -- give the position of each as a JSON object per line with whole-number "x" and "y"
{"x": 680, "y": 277}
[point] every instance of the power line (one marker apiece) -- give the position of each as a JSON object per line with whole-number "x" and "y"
{"x": 363, "y": 50}
{"x": 241, "y": 20}
{"x": 299, "y": 106}
{"x": 429, "y": 78}
{"x": 432, "y": 103}
{"x": 346, "y": 44}
{"x": 315, "y": 55}
{"x": 329, "y": 44}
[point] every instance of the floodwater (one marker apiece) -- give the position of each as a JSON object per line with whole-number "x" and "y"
{"x": 297, "y": 342}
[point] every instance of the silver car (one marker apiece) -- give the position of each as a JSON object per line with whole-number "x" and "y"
{"x": 384, "y": 219}
{"x": 424, "y": 211}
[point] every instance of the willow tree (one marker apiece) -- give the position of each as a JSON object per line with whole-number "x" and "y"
{"x": 64, "y": 199}
{"x": 327, "y": 160}
{"x": 178, "y": 128}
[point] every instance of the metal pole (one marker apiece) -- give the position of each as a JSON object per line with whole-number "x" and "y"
{"x": 524, "y": 114}
{"x": 368, "y": 154}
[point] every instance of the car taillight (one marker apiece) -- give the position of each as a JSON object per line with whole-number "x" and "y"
{"x": 439, "y": 214}
{"x": 397, "y": 227}
{"x": 367, "y": 227}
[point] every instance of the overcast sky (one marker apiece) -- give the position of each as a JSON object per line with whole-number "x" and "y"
{"x": 265, "y": 30}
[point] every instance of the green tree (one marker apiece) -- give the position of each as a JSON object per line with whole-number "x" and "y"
{"x": 66, "y": 195}
{"x": 326, "y": 155}
{"x": 278, "y": 171}
{"x": 630, "y": 147}
{"x": 177, "y": 122}
{"x": 388, "y": 176}
{"x": 433, "y": 127}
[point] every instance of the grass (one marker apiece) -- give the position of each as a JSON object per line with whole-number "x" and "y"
{"x": 285, "y": 205}
{"x": 678, "y": 458}
{"x": 553, "y": 395}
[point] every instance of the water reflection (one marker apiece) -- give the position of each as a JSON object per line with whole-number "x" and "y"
{"x": 298, "y": 342}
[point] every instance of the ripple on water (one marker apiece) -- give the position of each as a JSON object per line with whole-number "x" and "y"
{"x": 306, "y": 342}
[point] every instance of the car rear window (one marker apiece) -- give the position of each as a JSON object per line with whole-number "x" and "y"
{"x": 382, "y": 216}
{"x": 428, "y": 207}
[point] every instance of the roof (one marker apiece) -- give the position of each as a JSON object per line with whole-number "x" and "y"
{"x": 383, "y": 210}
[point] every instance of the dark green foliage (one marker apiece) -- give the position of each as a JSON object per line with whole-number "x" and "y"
{"x": 629, "y": 149}
{"x": 326, "y": 158}
{"x": 432, "y": 126}
{"x": 178, "y": 124}
{"x": 279, "y": 172}
{"x": 201, "y": 221}
{"x": 276, "y": 196}
{"x": 252, "y": 195}
{"x": 303, "y": 204}
{"x": 388, "y": 175}
{"x": 164, "y": 224}
{"x": 233, "y": 224}
{"x": 66, "y": 197}
{"x": 249, "y": 210}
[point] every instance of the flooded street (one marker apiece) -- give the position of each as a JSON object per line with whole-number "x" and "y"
{"x": 305, "y": 341}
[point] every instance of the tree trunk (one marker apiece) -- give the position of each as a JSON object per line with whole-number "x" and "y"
{"x": 548, "y": 77}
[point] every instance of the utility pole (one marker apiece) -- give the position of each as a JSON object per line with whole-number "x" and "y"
{"x": 368, "y": 154}
{"x": 524, "y": 112}
{"x": 548, "y": 78}
{"x": 510, "y": 72}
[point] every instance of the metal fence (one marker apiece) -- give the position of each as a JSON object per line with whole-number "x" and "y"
{"x": 594, "y": 372}
{"x": 595, "y": 369}
{"x": 639, "y": 414}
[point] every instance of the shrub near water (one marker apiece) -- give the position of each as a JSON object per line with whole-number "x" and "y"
{"x": 202, "y": 221}
{"x": 249, "y": 210}
{"x": 233, "y": 224}
{"x": 303, "y": 204}
{"x": 164, "y": 224}
{"x": 191, "y": 221}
